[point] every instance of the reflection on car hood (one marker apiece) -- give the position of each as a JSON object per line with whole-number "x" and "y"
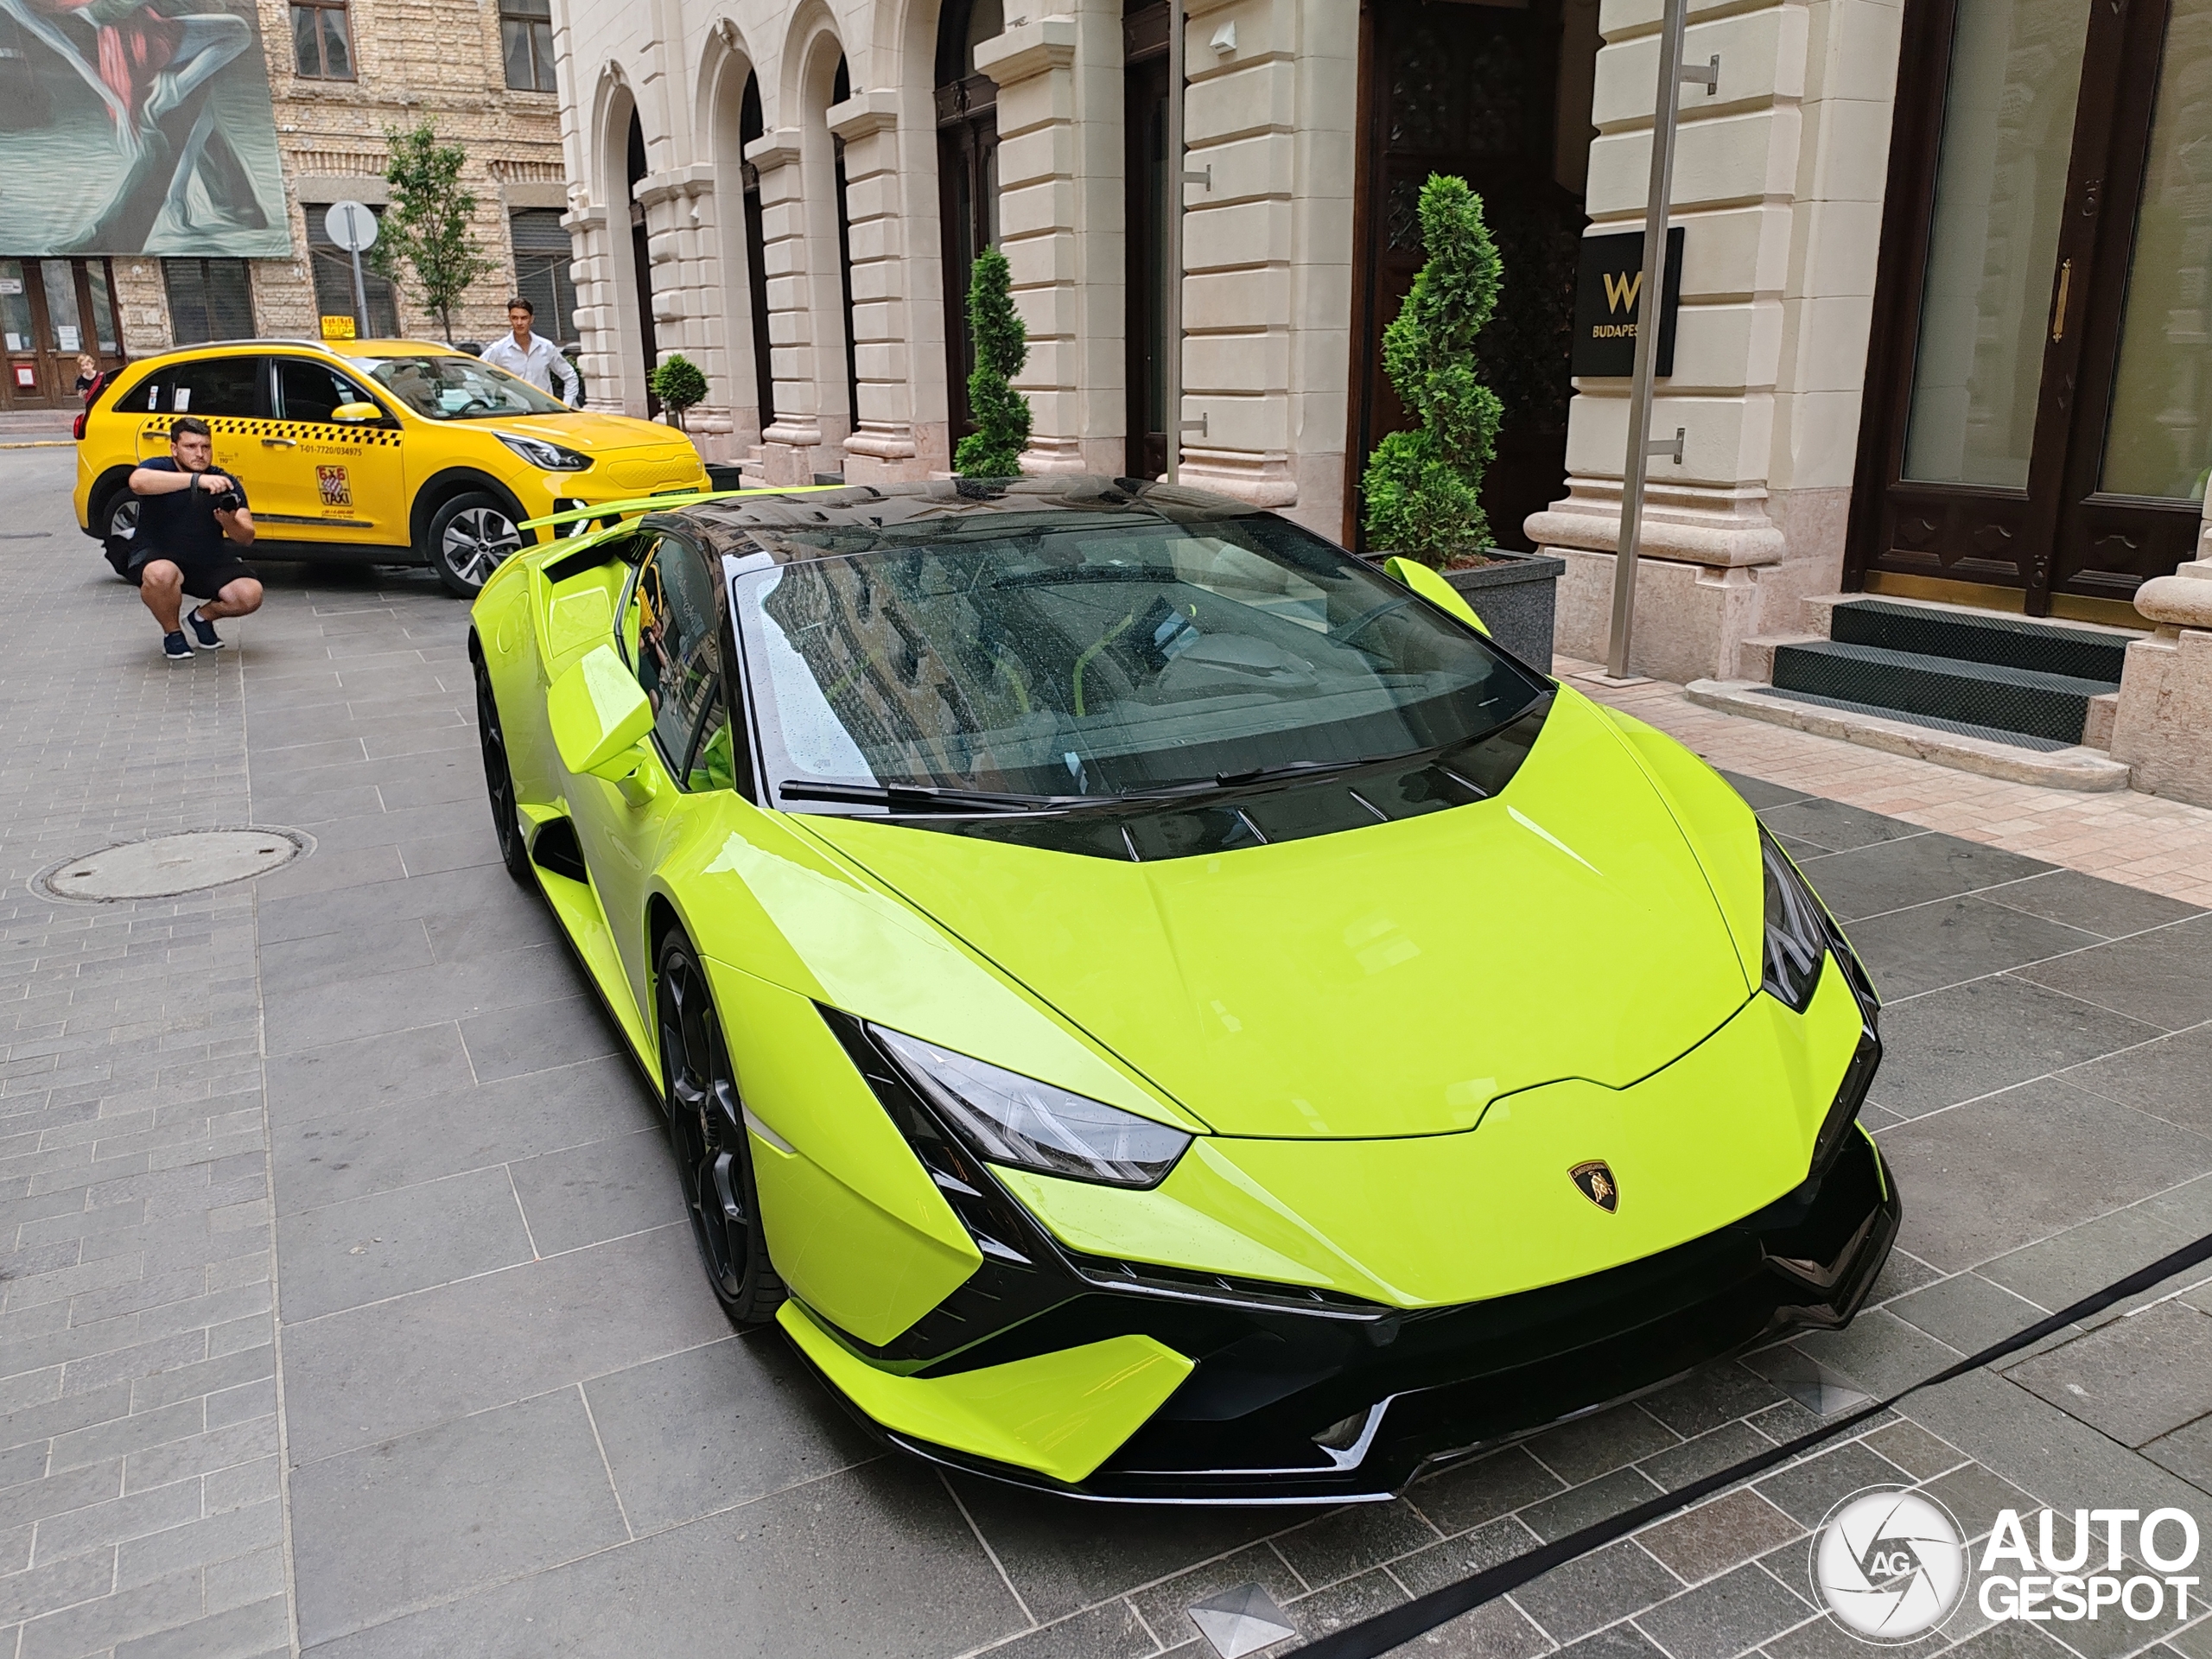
{"x": 1385, "y": 981}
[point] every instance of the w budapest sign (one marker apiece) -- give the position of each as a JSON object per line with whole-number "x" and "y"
{"x": 1609, "y": 304}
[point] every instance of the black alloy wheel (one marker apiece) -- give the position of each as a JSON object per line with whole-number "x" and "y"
{"x": 706, "y": 1127}
{"x": 470, "y": 537}
{"x": 498, "y": 780}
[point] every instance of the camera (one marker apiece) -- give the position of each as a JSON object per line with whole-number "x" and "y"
{"x": 227, "y": 501}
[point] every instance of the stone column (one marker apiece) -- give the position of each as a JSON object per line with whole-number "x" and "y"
{"x": 883, "y": 448}
{"x": 2163, "y": 729}
{"x": 597, "y": 326}
{"x": 680, "y": 245}
{"x": 1777, "y": 185}
{"x": 1273, "y": 100}
{"x": 791, "y": 445}
{"x": 1061, "y": 221}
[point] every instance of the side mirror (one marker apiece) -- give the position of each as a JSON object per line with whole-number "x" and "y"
{"x": 354, "y": 414}
{"x": 1410, "y": 573}
{"x": 599, "y": 713}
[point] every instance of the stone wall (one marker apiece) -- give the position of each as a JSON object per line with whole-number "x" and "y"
{"x": 1778, "y": 182}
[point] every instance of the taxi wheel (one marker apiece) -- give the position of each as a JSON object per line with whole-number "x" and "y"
{"x": 471, "y": 536}
{"x": 117, "y": 515}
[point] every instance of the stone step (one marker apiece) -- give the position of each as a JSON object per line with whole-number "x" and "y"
{"x": 1947, "y": 743}
{"x": 2011, "y": 699}
{"x": 1980, "y": 637}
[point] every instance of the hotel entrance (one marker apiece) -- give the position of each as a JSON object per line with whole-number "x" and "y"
{"x": 2037, "y": 425}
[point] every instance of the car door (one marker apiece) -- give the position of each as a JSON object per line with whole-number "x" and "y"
{"x": 671, "y": 632}
{"x": 230, "y": 393}
{"x": 328, "y": 480}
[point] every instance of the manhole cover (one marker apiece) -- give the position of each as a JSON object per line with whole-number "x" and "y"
{"x": 169, "y": 866}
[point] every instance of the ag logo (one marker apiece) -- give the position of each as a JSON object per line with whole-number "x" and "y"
{"x": 1596, "y": 1183}
{"x": 1889, "y": 1564}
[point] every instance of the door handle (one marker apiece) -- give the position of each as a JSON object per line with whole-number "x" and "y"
{"x": 2058, "y": 306}
{"x": 279, "y": 443}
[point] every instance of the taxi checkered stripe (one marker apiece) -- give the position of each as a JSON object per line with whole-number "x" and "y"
{"x": 321, "y": 431}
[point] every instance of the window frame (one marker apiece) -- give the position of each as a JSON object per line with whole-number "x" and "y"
{"x": 344, "y": 9}
{"x": 277, "y": 392}
{"x": 542, "y": 64}
{"x": 650, "y": 543}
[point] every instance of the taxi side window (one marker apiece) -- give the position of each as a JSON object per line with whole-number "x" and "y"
{"x": 672, "y": 631}
{"x": 307, "y": 390}
{"x": 216, "y": 386}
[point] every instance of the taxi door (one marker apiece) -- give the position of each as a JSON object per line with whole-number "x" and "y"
{"x": 328, "y": 481}
{"x": 230, "y": 394}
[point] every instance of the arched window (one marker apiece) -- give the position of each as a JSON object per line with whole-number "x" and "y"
{"x": 840, "y": 90}
{"x": 641, "y": 255}
{"x": 751, "y": 124}
{"x": 968, "y": 177}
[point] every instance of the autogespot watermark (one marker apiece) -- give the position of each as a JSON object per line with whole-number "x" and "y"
{"x": 1891, "y": 1564}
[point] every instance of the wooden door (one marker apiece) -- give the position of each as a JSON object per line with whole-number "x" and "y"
{"x": 1145, "y": 204}
{"x": 1472, "y": 90}
{"x": 2038, "y": 404}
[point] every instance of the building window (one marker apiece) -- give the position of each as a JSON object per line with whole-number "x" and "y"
{"x": 322, "y": 42}
{"x": 526, "y": 42}
{"x": 541, "y": 274}
{"x": 209, "y": 299}
{"x": 334, "y": 280}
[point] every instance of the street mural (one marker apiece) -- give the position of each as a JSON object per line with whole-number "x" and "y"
{"x": 128, "y": 128}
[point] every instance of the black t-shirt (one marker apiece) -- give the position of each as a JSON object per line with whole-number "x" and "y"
{"x": 181, "y": 526}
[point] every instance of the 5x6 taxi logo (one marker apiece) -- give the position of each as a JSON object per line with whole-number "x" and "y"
{"x": 336, "y": 487}
{"x": 1891, "y": 1564}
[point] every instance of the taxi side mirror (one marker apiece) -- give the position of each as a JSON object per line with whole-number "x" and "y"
{"x": 1411, "y": 572}
{"x": 353, "y": 413}
{"x": 599, "y": 713}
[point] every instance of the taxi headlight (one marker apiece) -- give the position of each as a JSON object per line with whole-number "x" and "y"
{"x": 546, "y": 457}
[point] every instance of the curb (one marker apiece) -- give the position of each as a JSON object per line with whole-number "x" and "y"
{"x": 40, "y": 443}
{"x": 2084, "y": 770}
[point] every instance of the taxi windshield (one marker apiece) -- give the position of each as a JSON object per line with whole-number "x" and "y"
{"x": 458, "y": 388}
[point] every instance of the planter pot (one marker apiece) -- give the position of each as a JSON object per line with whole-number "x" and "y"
{"x": 1515, "y": 598}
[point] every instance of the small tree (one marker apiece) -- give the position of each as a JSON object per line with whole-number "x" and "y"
{"x": 1424, "y": 488}
{"x": 678, "y": 384}
{"x": 427, "y": 225}
{"x": 1001, "y": 414}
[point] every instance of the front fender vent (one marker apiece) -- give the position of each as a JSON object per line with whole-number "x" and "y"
{"x": 554, "y": 848}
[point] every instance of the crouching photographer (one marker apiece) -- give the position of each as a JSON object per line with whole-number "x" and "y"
{"x": 192, "y": 523}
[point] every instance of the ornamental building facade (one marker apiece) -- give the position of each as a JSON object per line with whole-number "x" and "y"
{"x": 1942, "y": 329}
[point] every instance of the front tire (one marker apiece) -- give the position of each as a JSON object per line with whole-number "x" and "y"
{"x": 706, "y": 1127}
{"x": 498, "y": 777}
{"x": 470, "y": 537}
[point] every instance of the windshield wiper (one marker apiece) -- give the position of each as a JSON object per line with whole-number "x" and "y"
{"x": 929, "y": 797}
{"x": 1292, "y": 769}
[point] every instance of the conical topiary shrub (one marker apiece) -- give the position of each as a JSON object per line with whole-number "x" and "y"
{"x": 1001, "y": 414}
{"x": 1424, "y": 488}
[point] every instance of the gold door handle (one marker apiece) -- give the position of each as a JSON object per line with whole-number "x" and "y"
{"x": 279, "y": 443}
{"x": 2058, "y": 308}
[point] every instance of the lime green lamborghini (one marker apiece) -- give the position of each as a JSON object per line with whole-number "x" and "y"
{"x": 1158, "y": 1009}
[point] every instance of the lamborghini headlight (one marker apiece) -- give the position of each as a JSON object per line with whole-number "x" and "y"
{"x": 1797, "y": 930}
{"x": 1011, "y": 1119}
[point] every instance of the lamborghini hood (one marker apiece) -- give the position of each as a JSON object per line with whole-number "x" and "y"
{"x": 1380, "y": 981}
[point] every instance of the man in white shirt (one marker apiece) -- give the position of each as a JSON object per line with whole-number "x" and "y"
{"x": 532, "y": 357}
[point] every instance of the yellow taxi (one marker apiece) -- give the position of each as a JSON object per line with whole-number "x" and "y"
{"x": 382, "y": 451}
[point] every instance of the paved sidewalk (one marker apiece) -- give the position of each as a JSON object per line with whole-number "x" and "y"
{"x": 373, "y": 1092}
{"x": 2141, "y": 840}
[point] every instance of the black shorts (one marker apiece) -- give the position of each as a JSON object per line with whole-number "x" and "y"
{"x": 203, "y": 578}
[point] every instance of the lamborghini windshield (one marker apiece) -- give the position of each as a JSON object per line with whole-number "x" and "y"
{"x": 1098, "y": 655}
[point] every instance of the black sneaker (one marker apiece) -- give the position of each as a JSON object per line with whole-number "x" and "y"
{"x": 175, "y": 647}
{"x": 203, "y": 632}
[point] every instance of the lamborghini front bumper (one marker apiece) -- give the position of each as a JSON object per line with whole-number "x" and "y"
{"x": 1233, "y": 1391}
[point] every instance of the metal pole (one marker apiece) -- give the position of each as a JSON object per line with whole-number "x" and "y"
{"x": 1171, "y": 299}
{"x": 360, "y": 291}
{"x": 1651, "y": 303}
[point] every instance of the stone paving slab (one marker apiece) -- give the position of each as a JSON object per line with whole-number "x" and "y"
{"x": 500, "y": 1414}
